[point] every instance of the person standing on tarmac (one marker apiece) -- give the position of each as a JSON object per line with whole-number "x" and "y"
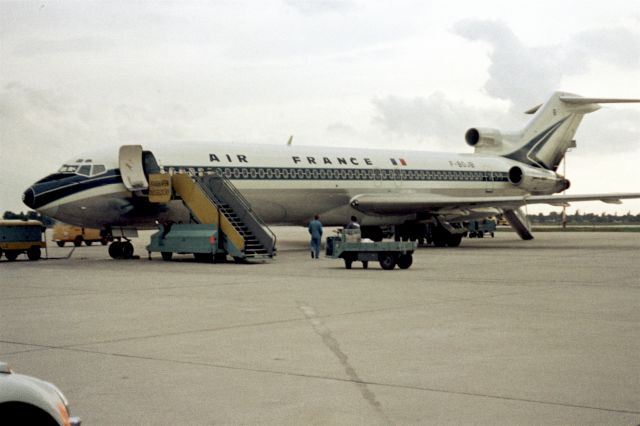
{"x": 353, "y": 224}
{"x": 315, "y": 229}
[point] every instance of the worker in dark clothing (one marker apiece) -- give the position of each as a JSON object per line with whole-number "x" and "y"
{"x": 353, "y": 224}
{"x": 315, "y": 229}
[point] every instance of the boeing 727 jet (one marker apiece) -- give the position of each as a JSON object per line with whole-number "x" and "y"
{"x": 286, "y": 185}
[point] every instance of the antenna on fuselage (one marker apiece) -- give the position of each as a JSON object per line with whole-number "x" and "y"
{"x": 290, "y": 140}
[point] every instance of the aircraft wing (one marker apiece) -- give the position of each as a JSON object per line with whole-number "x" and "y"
{"x": 410, "y": 202}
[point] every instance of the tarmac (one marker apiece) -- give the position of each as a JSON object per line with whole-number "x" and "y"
{"x": 496, "y": 331}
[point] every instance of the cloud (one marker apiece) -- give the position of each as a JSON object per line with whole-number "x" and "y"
{"x": 435, "y": 120}
{"x": 316, "y": 7}
{"x": 521, "y": 74}
{"x": 609, "y": 131}
{"x": 517, "y": 73}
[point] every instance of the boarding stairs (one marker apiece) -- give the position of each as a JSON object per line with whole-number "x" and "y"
{"x": 214, "y": 200}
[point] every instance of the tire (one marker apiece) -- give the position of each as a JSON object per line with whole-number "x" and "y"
{"x": 454, "y": 240}
{"x": 0, "y": 252}
{"x": 23, "y": 413}
{"x": 203, "y": 257}
{"x": 60, "y": 243}
{"x": 365, "y": 264}
{"x": 127, "y": 250}
{"x": 347, "y": 263}
{"x": 104, "y": 241}
{"x": 166, "y": 255}
{"x": 78, "y": 241}
{"x": 115, "y": 250}
{"x": 33, "y": 253}
{"x": 405, "y": 261}
{"x": 11, "y": 255}
{"x": 387, "y": 261}
{"x": 87, "y": 242}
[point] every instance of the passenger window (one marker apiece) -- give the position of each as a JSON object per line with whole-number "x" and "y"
{"x": 84, "y": 170}
{"x": 97, "y": 169}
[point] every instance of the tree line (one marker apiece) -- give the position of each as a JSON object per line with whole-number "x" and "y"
{"x": 578, "y": 218}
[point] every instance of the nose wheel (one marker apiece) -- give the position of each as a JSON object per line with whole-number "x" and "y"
{"x": 121, "y": 250}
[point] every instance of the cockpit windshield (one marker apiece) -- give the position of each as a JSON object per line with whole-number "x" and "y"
{"x": 83, "y": 169}
{"x": 68, "y": 169}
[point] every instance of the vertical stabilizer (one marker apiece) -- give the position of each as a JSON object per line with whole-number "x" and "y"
{"x": 546, "y": 138}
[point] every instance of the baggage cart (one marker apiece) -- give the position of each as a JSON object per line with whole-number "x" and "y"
{"x": 349, "y": 246}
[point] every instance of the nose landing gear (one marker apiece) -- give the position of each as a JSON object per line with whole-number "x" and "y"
{"x": 121, "y": 249}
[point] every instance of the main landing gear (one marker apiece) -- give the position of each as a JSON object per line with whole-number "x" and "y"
{"x": 121, "y": 249}
{"x": 426, "y": 234}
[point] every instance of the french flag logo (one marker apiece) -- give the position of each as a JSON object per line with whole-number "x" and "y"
{"x": 399, "y": 161}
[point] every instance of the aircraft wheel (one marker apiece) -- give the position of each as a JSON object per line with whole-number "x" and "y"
{"x": 166, "y": 255}
{"x": 11, "y": 255}
{"x": 439, "y": 241}
{"x": 454, "y": 240}
{"x": 387, "y": 261}
{"x": 60, "y": 243}
{"x": 127, "y": 250}
{"x": 33, "y": 253}
{"x": 115, "y": 250}
{"x": 78, "y": 241}
{"x": 404, "y": 261}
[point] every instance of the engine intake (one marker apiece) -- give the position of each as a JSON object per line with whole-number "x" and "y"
{"x": 483, "y": 137}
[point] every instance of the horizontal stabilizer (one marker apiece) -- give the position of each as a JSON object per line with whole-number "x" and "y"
{"x": 580, "y": 101}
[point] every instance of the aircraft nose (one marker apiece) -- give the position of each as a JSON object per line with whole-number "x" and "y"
{"x": 29, "y": 197}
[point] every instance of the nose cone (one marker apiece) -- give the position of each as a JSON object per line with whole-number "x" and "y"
{"x": 29, "y": 198}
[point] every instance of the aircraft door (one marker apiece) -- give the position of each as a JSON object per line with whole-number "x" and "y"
{"x": 488, "y": 178}
{"x": 132, "y": 167}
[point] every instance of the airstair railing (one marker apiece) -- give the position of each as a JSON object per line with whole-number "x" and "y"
{"x": 223, "y": 191}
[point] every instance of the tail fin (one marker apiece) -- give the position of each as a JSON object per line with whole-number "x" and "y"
{"x": 546, "y": 138}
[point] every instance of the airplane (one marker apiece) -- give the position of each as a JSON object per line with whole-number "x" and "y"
{"x": 415, "y": 193}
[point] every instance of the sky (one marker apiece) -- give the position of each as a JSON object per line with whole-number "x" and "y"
{"x": 79, "y": 75}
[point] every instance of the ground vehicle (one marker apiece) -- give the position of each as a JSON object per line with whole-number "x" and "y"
{"x": 27, "y": 400}
{"x": 63, "y": 233}
{"x": 349, "y": 246}
{"x": 21, "y": 236}
{"x": 480, "y": 228}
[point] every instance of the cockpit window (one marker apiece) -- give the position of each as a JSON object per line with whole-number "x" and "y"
{"x": 84, "y": 170}
{"x": 68, "y": 169}
{"x": 97, "y": 169}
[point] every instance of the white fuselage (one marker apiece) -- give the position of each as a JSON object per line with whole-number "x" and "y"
{"x": 288, "y": 184}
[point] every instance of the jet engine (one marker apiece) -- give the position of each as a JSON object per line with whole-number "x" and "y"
{"x": 483, "y": 138}
{"x": 537, "y": 181}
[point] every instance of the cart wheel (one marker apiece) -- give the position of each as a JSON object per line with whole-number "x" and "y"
{"x": 347, "y": 263}
{"x": 203, "y": 257}
{"x": 33, "y": 253}
{"x": 11, "y": 255}
{"x": 77, "y": 241}
{"x": 60, "y": 243}
{"x": 404, "y": 261}
{"x": 166, "y": 255}
{"x": 365, "y": 264}
{"x": 387, "y": 260}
